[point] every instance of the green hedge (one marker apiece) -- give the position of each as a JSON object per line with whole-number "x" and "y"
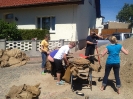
{"x": 34, "y": 33}
{"x": 10, "y": 32}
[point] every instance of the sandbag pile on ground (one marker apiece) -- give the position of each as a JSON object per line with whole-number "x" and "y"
{"x": 12, "y": 57}
{"x": 23, "y": 92}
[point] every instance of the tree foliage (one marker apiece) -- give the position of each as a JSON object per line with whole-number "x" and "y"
{"x": 126, "y": 14}
{"x": 9, "y": 31}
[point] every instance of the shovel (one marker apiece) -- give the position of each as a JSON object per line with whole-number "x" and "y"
{"x": 98, "y": 60}
{"x": 83, "y": 56}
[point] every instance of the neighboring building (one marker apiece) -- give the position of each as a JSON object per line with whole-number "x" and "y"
{"x": 116, "y": 25}
{"x": 65, "y": 19}
{"x": 99, "y": 23}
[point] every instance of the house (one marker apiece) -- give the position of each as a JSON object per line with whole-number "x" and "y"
{"x": 116, "y": 25}
{"x": 99, "y": 22}
{"x": 65, "y": 19}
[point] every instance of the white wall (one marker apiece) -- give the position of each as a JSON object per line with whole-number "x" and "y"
{"x": 65, "y": 19}
{"x": 86, "y": 19}
{"x": 99, "y": 22}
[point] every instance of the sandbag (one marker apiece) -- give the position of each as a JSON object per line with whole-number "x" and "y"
{"x": 48, "y": 65}
{"x": 1, "y": 52}
{"x": 13, "y": 52}
{"x": 13, "y": 61}
{"x": 23, "y": 92}
{"x": 4, "y": 64}
{"x": 4, "y": 57}
{"x": 74, "y": 71}
{"x": 67, "y": 75}
{"x": 20, "y": 63}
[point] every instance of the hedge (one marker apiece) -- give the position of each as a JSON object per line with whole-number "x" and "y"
{"x": 34, "y": 33}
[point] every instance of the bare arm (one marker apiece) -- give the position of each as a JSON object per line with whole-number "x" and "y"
{"x": 124, "y": 51}
{"x": 104, "y": 52}
{"x": 99, "y": 36}
{"x": 42, "y": 48}
{"x": 88, "y": 42}
{"x": 65, "y": 60}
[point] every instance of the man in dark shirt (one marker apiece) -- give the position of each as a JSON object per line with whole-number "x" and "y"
{"x": 91, "y": 43}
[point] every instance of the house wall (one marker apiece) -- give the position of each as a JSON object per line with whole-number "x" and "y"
{"x": 99, "y": 22}
{"x": 86, "y": 18}
{"x": 116, "y": 25}
{"x": 72, "y": 21}
{"x": 65, "y": 27}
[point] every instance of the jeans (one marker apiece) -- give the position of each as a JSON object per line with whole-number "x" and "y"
{"x": 44, "y": 58}
{"x": 108, "y": 68}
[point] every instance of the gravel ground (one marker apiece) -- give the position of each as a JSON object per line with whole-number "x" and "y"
{"x": 30, "y": 74}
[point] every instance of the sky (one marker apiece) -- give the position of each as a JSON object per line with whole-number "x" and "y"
{"x": 110, "y": 8}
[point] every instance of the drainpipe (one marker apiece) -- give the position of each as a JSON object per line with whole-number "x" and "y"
{"x": 89, "y": 31}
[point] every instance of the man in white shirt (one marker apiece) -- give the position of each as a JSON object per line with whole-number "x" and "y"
{"x": 59, "y": 56}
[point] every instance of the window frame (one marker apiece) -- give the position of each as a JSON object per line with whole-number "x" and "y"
{"x": 51, "y": 24}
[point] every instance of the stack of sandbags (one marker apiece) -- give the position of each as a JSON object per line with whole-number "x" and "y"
{"x": 12, "y": 57}
{"x": 77, "y": 64}
{"x": 23, "y": 92}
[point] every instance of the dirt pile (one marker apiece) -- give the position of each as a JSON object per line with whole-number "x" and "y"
{"x": 126, "y": 70}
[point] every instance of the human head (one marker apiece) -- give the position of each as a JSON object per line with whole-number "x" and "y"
{"x": 72, "y": 44}
{"x": 47, "y": 37}
{"x": 92, "y": 33}
{"x": 113, "y": 39}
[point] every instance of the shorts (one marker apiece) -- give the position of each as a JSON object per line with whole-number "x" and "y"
{"x": 58, "y": 65}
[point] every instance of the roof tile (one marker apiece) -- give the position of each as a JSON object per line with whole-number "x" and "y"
{"x": 13, "y": 3}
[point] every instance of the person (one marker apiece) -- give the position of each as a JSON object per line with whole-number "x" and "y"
{"x": 44, "y": 52}
{"x": 59, "y": 56}
{"x": 90, "y": 47}
{"x": 51, "y": 59}
{"x": 113, "y": 61}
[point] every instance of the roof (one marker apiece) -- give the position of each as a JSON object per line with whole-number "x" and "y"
{"x": 23, "y": 3}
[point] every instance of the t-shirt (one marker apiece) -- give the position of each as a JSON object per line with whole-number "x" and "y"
{"x": 52, "y": 54}
{"x": 113, "y": 51}
{"x": 45, "y": 44}
{"x": 91, "y": 39}
{"x": 63, "y": 50}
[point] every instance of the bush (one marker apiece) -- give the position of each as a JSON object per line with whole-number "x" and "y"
{"x": 34, "y": 33}
{"x": 9, "y": 31}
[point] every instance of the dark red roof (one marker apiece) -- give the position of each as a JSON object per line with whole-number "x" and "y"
{"x": 20, "y": 3}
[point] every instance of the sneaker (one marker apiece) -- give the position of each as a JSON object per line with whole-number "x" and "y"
{"x": 43, "y": 73}
{"x": 60, "y": 83}
{"x": 63, "y": 81}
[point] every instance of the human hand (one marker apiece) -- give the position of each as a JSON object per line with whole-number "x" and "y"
{"x": 67, "y": 64}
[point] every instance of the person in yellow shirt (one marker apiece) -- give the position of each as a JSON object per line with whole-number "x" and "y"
{"x": 44, "y": 52}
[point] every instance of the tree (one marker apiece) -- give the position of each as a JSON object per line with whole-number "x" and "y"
{"x": 126, "y": 14}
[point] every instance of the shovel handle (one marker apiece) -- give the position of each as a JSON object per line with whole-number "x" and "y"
{"x": 94, "y": 55}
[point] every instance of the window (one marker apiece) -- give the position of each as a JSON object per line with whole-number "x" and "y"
{"x": 9, "y": 17}
{"x": 46, "y": 23}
